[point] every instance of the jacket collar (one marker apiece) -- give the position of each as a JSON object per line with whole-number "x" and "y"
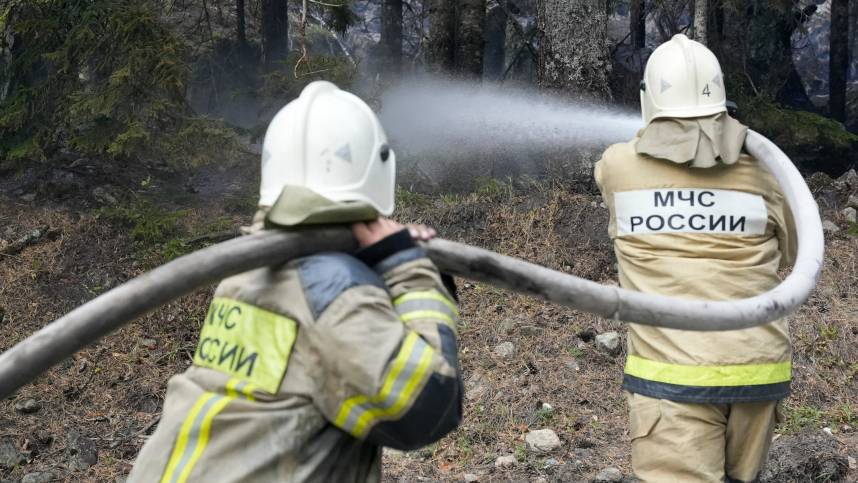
{"x": 703, "y": 142}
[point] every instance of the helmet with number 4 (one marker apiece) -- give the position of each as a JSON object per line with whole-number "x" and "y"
{"x": 331, "y": 142}
{"x": 682, "y": 79}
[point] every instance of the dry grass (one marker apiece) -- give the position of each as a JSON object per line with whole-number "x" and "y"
{"x": 565, "y": 231}
{"x": 112, "y": 392}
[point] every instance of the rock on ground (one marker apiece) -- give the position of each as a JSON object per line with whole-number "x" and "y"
{"x": 609, "y": 475}
{"x": 830, "y": 227}
{"x": 505, "y": 350}
{"x": 542, "y": 441}
{"x": 81, "y": 451}
{"x": 38, "y": 477}
{"x": 850, "y": 214}
{"x": 609, "y": 343}
{"x": 27, "y": 406}
{"x": 475, "y": 386}
{"x": 9, "y": 455}
{"x": 852, "y": 202}
{"x": 850, "y": 179}
{"x": 470, "y": 478}
{"x": 103, "y": 196}
{"x": 810, "y": 456}
{"x": 507, "y": 461}
{"x": 531, "y": 330}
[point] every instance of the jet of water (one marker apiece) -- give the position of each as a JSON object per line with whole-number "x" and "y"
{"x": 431, "y": 117}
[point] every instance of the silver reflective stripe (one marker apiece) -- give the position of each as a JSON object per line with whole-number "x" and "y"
{"x": 394, "y": 401}
{"x": 419, "y": 305}
{"x": 194, "y": 437}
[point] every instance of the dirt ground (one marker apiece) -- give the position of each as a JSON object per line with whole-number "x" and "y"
{"x": 94, "y": 411}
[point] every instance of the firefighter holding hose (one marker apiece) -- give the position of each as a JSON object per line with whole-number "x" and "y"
{"x": 304, "y": 371}
{"x": 692, "y": 216}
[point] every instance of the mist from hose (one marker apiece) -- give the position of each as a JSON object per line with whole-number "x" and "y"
{"x": 435, "y": 117}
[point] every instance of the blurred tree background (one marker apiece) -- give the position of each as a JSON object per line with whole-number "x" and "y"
{"x": 190, "y": 81}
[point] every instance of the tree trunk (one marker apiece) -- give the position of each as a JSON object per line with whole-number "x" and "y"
{"x": 756, "y": 50}
{"x": 240, "y": 24}
{"x": 495, "y": 50}
{"x": 391, "y": 36}
{"x": 442, "y": 36}
{"x": 853, "y": 34}
{"x": 716, "y": 31}
{"x": 838, "y": 67}
{"x": 701, "y": 21}
{"x": 574, "y": 53}
{"x": 471, "y": 43}
{"x": 275, "y": 31}
{"x": 637, "y": 23}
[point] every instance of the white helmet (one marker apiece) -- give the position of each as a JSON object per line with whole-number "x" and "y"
{"x": 682, "y": 79}
{"x": 328, "y": 141}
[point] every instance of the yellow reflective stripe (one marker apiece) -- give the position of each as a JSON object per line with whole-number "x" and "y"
{"x": 389, "y": 381}
{"x": 415, "y": 380}
{"x": 398, "y": 364}
{"x": 427, "y": 314}
{"x": 427, "y": 295}
{"x": 408, "y": 370}
{"x": 237, "y": 388}
{"x": 193, "y": 437}
{"x": 203, "y": 438}
{"x": 709, "y": 376}
{"x": 346, "y": 409}
{"x": 373, "y": 414}
{"x": 182, "y": 440}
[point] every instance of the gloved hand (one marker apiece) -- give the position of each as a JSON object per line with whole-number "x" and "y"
{"x": 372, "y": 232}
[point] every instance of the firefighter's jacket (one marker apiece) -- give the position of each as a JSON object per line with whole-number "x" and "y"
{"x": 719, "y": 233}
{"x": 303, "y": 372}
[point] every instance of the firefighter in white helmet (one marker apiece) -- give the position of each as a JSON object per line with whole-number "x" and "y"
{"x": 693, "y": 216}
{"x": 304, "y": 371}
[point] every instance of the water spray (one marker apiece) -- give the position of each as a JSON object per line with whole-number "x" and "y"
{"x": 441, "y": 117}
{"x": 473, "y": 120}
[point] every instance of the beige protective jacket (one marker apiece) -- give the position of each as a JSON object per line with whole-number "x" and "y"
{"x": 303, "y": 372}
{"x": 719, "y": 233}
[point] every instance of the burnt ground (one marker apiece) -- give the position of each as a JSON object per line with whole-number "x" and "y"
{"x": 89, "y": 416}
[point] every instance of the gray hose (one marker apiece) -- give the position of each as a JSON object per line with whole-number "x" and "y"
{"x": 97, "y": 318}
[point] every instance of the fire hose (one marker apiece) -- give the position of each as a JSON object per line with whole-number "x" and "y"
{"x": 90, "y": 322}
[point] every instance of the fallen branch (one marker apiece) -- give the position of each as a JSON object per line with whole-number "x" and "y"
{"x": 31, "y": 238}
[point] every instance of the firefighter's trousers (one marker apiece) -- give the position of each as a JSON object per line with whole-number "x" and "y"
{"x": 691, "y": 443}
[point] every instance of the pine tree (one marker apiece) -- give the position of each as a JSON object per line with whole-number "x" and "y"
{"x": 275, "y": 31}
{"x": 471, "y": 44}
{"x": 391, "y": 36}
{"x": 574, "y": 55}
{"x": 442, "y": 36}
{"x": 701, "y": 21}
{"x": 637, "y": 23}
{"x": 240, "y": 24}
{"x": 494, "y": 52}
{"x": 838, "y": 67}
